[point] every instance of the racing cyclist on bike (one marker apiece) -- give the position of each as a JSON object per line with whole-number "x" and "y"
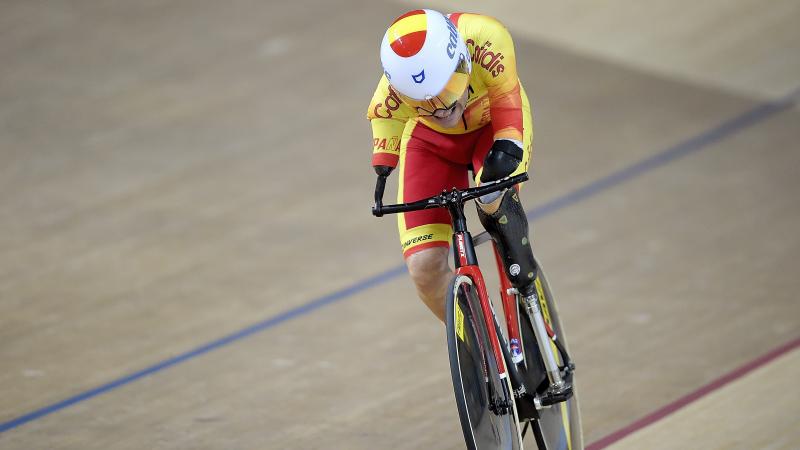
{"x": 450, "y": 101}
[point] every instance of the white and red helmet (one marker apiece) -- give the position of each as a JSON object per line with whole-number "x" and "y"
{"x": 423, "y": 55}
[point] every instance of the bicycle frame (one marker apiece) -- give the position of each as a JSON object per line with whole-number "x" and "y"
{"x": 509, "y": 300}
{"x": 466, "y": 263}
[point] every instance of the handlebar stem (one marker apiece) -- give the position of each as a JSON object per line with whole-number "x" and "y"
{"x": 456, "y": 208}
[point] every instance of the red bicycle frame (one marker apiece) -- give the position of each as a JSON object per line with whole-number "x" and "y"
{"x": 467, "y": 264}
{"x": 509, "y": 299}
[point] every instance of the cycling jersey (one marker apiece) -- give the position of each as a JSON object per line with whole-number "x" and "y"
{"x": 433, "y": 158}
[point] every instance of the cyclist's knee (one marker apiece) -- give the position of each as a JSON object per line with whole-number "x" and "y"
{"x": 489, "y": 204}
{"x": 428, "y": 267}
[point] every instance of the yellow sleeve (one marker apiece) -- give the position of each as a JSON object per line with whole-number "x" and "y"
{"x": 388, "y": 116}
{"x": 495, "y": 59}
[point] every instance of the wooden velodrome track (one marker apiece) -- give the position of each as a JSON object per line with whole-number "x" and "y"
{"x": 187, "y": 259}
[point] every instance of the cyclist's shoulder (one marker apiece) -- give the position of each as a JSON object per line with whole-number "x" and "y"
{"x": 383, "y": 86}
{"x": 386, "y": 103}
{"x": 491, "y": 48}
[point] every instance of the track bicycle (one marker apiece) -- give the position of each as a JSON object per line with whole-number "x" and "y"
{"x": 503, "y": 385}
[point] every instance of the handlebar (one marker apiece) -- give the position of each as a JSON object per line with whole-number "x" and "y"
{"x": 444, "y": 199}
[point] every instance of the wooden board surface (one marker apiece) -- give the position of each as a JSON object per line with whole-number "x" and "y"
{"x": 759, "y": 410}
{"x": 174, "y": 172}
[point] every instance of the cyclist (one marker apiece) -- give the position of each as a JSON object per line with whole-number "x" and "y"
{"x": 450, "y": 101}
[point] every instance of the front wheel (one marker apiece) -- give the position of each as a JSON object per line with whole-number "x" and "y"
{"x": 484, "y": 400}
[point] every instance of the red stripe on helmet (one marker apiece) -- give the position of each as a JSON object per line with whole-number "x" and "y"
{"x": 410, "y": 13}
{"x": 409, "y": 44}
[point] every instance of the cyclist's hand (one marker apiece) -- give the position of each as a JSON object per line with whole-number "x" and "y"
{"x": 383, "y": 171}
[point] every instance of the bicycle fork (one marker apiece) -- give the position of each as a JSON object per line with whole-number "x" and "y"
{"x": 559, "y": 389}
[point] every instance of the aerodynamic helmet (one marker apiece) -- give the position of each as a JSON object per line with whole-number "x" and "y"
{"x": 425, "y": 59}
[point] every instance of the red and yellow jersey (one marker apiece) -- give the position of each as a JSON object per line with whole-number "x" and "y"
{"x": 495, "y": 93}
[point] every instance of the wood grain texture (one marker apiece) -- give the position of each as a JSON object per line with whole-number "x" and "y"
{"x": 172, "y": 172}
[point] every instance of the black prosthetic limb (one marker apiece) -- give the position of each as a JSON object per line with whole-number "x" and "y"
{"x": 508, "y": 226}
{"x": 501, "y": 161}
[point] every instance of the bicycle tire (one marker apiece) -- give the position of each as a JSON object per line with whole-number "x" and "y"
{"x": 559, "y": 426}
{"x": 475, "y": 374}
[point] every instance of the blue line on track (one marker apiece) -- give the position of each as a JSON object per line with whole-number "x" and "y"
{"x": 692, "y": 145}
